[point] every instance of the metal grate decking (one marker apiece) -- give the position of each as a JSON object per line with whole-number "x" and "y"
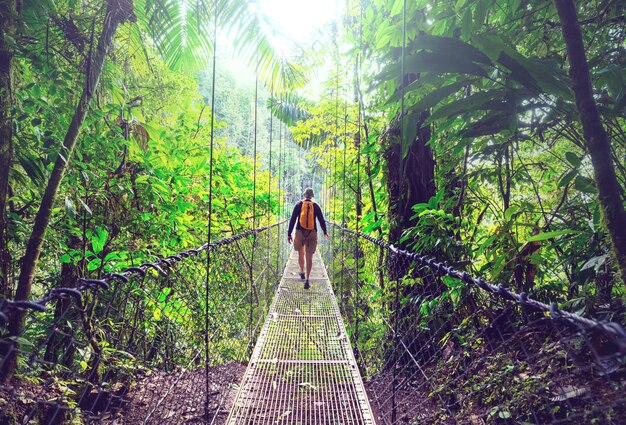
{"x": 302, "y": 370}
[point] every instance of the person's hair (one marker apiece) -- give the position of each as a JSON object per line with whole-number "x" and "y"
{"x": 308, "y": 193}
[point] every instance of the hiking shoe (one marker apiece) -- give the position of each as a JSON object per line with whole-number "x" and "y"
{"x": 302, "y": 275}
{"x": 306, "y": 284}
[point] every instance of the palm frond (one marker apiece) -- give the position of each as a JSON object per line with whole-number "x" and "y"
{"x": 289, "y": 107}
{"x": 180, "y": 30}
{"x": 255, "y": 36}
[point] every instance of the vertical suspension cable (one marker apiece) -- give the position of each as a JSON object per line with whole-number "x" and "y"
{"x": 269, "y": 197}
{"x": 402, "y": 112}
{"x": 269, "y": 178}
{"x": 300, "y": 155}
{"x": 294, "y": 162}
{"x": 401, "y": 209}
{"x": 208, "y": 239}
{"x": 335, "y": 150}
{"x": 358, "y": 185}
{"x": 254, "y": 217}
{"x": 279, "y": 197}
{"x": 343, "y": 189}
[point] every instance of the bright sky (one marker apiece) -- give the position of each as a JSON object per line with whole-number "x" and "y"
{"x": 297, "y": 19}
{"x": 300, "y": 18}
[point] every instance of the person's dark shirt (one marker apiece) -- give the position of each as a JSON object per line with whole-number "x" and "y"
{"x": 295, "y": 217}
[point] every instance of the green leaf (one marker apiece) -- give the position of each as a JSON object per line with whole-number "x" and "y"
{"x": 595, "y": 262}
{"x": 9, "y": 40}
{"x": 480, "y": 13}
{"x": 373, "y": 226}
{"x": 467, "y": 24}
{"x": 85, "y": 206}
{"x": 549, "y": 235}
{"x": 441, "y": 63}
{"x": 510, "y": 212}
{"x": 567, "y": 178}
{"x": 98, "y": 239}
{"x": 573, "y": 159}
{"x": 452, "y": 47}
{"x": 70, "y": 209}
{"x": 436, "y": 96}
{"x": 585, "y": 185}
{"x": 94, "y": 264}
{"x": 492, "y": 123}
{"x": 537, "y": 75}
{"x": 469, "y": 103}
{"x": 433, "y": 80}
{"x": 396, "y": 9}
{"x": 32, "y": 165}
{"x": 112, "y": 256}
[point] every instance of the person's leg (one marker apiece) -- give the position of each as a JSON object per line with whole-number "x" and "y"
{"x": 310, "y": 250}
{"x": 299, "y": 247}
{"x": 309, "y": 262}
{"x": 301, "y": 259}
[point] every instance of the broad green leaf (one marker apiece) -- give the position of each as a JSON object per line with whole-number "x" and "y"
{"x": 595, "y": 262}
{"x": 480, "y": 12}
{"x": 585, "y": 185}
{"x": 98, "y": 239}
{"x": 427, "y": 80}
{"x": 573, "y": 159}
{"x": 441, "y": 63}
{"x": 453, "y": 47}
{"x": 70, "y": 209}
{"x": 436, "y": 96}
{"x": 469, "y": 103}
{"x": 467, "y": 24}
{"x": 396, "y": 8}
{"x": 549, "y": 235}
{"x": 492, "y": 123}
{"x": 31, "y": 164}
{"x": 567, "y": 178}
{"x": 94, "y": 264}
{"x": 112, "y": 256}
{"x": 510, "y": 212}
{"x": 532, "y": 73}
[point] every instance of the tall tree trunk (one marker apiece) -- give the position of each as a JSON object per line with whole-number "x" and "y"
{"x": 8, "y": 13}
{"x": 117, "y": 12}
{"x": 415, "y": 185}
{"x": 596, "y": 139}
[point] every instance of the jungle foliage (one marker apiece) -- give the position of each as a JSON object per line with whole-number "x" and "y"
{"x": 458, "y": 137}
{"x": 515, "y": 195}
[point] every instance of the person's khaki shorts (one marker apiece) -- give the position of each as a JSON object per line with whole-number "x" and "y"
{"x": 306, "y": 238}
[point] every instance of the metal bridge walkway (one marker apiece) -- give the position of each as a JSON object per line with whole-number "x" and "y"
{"x": 302, "y": 370}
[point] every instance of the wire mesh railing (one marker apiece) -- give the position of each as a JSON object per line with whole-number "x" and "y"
{"x": 133, "y": 347}
{"x": 436, "y": 345}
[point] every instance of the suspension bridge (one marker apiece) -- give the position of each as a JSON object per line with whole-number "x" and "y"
{"x": 422, "y": 343}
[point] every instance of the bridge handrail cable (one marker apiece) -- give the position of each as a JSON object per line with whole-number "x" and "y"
{"x": 611, "y": 328}
{"x": 161, "y": 265}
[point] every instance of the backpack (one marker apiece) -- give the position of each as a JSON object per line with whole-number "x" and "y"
{"x": 307, "y": 215}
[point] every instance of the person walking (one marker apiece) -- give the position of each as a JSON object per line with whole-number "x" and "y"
{"x": 303, "y": 217}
